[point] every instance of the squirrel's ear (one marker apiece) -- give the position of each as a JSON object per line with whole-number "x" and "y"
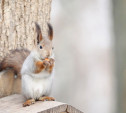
{"x": 39, "y": 34}
{"x": 50, "y": 31}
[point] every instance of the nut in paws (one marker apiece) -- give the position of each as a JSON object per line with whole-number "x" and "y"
{"x": 51, "y": 61}
{"x": 46, "y": 63}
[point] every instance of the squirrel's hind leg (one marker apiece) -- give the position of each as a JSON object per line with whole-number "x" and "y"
{"x": 29, "y": 102}
{"x": 46, "y": 98}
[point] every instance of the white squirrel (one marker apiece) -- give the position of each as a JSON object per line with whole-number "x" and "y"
{"x": 38, "y": 69}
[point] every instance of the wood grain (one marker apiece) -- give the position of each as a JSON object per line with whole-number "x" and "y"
{"x": 9, "y": 84}
{"x": 13, "y": 104}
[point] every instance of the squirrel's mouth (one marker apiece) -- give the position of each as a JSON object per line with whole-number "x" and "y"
{"x": 43, "y": 58}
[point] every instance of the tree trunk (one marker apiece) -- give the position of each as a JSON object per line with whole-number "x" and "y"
{"x": 17, "y": 18}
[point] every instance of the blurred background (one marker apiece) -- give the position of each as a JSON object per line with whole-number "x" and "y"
{"x": 90, "y": 42}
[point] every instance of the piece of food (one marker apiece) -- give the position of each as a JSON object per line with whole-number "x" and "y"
{"x": 46, "y": 59}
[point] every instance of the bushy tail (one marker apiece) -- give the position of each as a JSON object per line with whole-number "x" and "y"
{"x": 14, "y": 60}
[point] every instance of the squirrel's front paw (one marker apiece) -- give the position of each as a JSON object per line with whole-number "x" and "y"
{"x": 49, "y": 64}
{"x": 46, "y": 63}
{"x": 51, "y": 61}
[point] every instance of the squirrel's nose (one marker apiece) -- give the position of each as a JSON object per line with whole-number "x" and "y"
{"x": 47, "y": 55}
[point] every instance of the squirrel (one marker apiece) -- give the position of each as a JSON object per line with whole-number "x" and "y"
{"x": 15, "y": 59}
{"x": 38, "y": 69}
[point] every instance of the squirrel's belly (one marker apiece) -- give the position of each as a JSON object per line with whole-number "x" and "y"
{"x": 35, "y": 88}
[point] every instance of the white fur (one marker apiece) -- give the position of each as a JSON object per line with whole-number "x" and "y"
{"x": 35, "y": 85}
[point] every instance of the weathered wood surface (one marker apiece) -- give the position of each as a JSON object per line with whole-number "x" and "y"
{"x": 9, "y": 84}
{"x": 13, "y": 104}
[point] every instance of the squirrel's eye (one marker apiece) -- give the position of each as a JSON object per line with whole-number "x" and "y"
{"x": 52, "y": 47}
{"x": 40, "y": 47}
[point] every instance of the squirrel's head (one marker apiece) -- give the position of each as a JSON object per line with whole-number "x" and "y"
{"x": 44, "y": 44}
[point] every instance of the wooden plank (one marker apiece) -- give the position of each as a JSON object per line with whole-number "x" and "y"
{"x": 71, "y": 109}
{"x": 13, "y": 104}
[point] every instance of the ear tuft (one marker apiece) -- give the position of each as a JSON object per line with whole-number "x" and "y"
{"x": 50, "y": 31}
{"x": 39, "y": 34}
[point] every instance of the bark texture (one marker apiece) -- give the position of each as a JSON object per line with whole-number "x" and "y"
{"x": 17, "y": 19}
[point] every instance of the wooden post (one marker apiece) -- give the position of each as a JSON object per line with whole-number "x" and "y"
{"x": 13, "y": 104}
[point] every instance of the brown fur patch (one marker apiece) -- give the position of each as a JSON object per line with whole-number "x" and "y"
{"x": 50, "y": 31}
{"x": 46, "y": 98}
{"x": 39, "y": 67}
{"x": 51, "y": 68}
{"x": 14, "y": 60}
{"x": 29, "y": 102}
{"x": 39, "y": 33}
